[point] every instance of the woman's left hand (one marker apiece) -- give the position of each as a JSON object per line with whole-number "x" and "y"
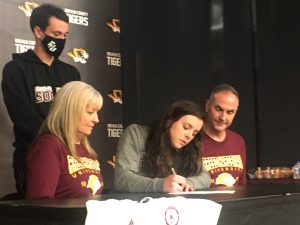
{"x": 187, "y": 187}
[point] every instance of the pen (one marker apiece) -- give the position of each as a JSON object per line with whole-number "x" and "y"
{"x": 173, "y": 170}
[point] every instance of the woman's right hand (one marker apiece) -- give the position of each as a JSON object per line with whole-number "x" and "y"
{"x": 174, "y": 183}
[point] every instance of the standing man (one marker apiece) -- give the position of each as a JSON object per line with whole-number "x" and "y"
{"x": 31, "y": 80}
{"x": 224, "y": 151}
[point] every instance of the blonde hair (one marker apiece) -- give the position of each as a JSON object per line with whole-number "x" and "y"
{"x": 65, "y": 112}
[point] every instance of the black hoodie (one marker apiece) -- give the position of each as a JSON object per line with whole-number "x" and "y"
{"x": 28, "y": 87}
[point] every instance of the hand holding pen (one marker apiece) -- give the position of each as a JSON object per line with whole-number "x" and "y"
{"x": 176, "y": 183}
{"x": 185, "y": 185}
{"x": 173, "y": 170}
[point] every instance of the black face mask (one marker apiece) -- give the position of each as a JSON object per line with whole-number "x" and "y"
{"x": 54, "y": 46}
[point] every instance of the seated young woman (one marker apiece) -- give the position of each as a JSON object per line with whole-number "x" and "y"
{"x": 165, "y": 157}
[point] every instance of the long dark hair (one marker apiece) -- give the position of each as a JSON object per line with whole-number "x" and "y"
{"x": 160, "y": 155}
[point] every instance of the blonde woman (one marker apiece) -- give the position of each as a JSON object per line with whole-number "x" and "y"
{"x": 61, "y": 162}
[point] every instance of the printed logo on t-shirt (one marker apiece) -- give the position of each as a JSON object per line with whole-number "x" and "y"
{"x": 224, "y": 170}
{"x": 87, "y": 167}
{"x": 94, "y": 183}
{"x": 84, "y": 164}
{"x": 211, "y": 163}
{"x": 43, "y": 94}
{"x": 225, "y": 179}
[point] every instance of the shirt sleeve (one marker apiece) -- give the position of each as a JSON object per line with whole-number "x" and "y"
{"x": 18, "y": 103}
{"x": 128, "y": 177}
{"x": 201, "y": 181}
{"x": 243, "y": 178}
{"x": 43, "y": 168}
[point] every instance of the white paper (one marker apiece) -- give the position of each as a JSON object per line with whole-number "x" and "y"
{"x": 202, "y": 192}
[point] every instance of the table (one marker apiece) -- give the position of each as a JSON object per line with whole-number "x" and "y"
{"x": 261, "y": 204}
{"x": 274, "y": 181}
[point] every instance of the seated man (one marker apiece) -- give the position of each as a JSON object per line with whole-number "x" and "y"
{"x": 224, "y": 151}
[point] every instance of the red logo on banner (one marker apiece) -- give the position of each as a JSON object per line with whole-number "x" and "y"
{"x": 172, "y": 216}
